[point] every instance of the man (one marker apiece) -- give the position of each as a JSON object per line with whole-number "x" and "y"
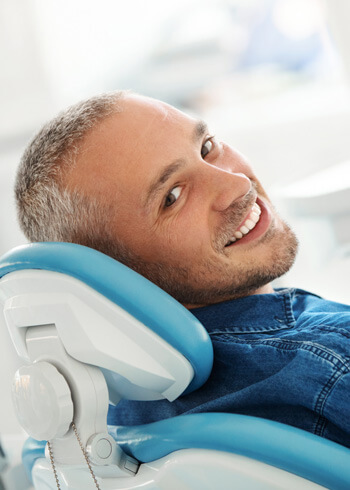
{"x": 153, "y": 188}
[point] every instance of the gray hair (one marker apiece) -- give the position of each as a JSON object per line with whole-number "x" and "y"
{"x": 47, "y": 211}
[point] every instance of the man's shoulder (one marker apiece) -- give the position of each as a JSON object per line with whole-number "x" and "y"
{"x": 295, "y": 292}
{"x": 315, "y": 309}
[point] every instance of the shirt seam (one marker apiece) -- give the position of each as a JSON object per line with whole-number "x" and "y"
{"x": 288, "y": 307}
{"x": 284, "y": 298}
{"x": 288, "y": 344}
{"x": 324, "y": 395}
{"x": 339, "y": 364}
{"x": 251, "y": 329}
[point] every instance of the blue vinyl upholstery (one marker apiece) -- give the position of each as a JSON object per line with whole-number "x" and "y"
{"x": 288, "y": 448}
{"x": 134, "y": 293}
{"x": 301, "y": 453}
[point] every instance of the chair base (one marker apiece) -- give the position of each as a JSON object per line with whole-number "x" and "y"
{"x": 188, "y": 469}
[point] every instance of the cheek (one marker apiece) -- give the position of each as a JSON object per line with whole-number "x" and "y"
{"x": 184, "y": 237}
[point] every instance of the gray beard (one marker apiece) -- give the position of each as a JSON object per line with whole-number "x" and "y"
{"x": 197, "y": 288}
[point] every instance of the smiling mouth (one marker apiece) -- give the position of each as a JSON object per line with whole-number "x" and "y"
{"x": 247, "y": 226}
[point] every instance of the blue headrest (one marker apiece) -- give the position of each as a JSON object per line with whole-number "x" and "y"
{"x": 134, "y": 293}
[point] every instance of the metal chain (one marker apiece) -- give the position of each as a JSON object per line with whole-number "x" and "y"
{"x": 53, "y": 465}
{"x": 85, "y": 456}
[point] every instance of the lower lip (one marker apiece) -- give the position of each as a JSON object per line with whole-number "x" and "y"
{"x": 260, "y": 228}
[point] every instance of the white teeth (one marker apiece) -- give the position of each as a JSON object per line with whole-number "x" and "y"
{"x": 248, "y": 225}
{"x": 256, "y": 209}
{"x": 254, "y": 216}
{"x": 232, "y": 239}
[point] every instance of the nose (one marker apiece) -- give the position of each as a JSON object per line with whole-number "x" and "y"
{"x": 225, "y": 187}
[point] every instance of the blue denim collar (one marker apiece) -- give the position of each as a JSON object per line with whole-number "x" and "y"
{"x": 257, "y": 313}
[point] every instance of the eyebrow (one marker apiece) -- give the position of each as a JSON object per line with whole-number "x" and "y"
{"x": 159, "y": 182}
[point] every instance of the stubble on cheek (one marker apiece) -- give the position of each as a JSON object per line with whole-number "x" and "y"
{"x": 196, "y": 279}
{"x": 213, "y": 280}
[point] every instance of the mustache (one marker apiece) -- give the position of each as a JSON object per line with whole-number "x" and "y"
{"x": 234, "y": 215}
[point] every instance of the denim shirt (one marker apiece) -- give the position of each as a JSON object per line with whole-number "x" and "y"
{"x": 283, "y": 356}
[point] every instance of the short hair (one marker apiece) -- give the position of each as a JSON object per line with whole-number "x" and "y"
{"x": 47, "y": 210}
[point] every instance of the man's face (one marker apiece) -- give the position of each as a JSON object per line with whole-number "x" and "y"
{"x": 188, "y": 207}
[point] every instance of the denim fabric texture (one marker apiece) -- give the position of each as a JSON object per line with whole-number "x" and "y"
{"x": 282, "y": 356}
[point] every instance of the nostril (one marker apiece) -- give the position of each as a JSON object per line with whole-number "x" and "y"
{"x": 231, "y": 190}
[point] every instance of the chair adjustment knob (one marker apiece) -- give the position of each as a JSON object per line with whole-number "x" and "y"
{"x": 102, "y": 449}
{"x": 42, "y": 400}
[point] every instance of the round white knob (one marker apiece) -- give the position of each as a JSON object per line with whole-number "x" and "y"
{"x": 42, "y": 400}
{"x": 102, "y": 449}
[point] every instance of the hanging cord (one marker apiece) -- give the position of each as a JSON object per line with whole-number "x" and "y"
{"x": 85, "y": 456}
{"x": 53, "y": 465}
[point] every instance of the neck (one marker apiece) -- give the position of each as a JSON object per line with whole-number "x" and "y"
{"x": 266, "y": 289}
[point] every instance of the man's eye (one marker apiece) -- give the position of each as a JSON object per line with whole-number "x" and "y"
{"x": 207, "y": 147}
{"x": 172, "y": 196}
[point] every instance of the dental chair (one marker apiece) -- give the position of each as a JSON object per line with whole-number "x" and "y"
{"x": 91, "y": 331}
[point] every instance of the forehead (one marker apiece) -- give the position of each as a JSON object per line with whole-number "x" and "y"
{"x": 143, "y": 117}
{"x": 140, "y": 121}
{"x": 124, "y": 150}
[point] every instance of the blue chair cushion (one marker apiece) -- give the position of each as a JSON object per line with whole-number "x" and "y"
{"x": 298, "y": 452}
{"x": 32, "y": 450}
{"x": 294, "y": 450}
{"x": 134, "y": 293}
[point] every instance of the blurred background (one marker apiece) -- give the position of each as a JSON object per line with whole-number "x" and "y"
{"x": 271, "y": 77}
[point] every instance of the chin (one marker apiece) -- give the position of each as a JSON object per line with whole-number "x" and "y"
{"x": 210, "y": 282}
{"x": 216, "y": 284}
